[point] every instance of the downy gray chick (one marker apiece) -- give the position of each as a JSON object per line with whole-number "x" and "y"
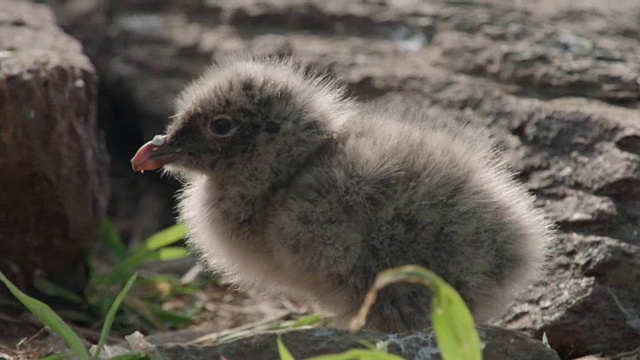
{"x": 292, "y": 187}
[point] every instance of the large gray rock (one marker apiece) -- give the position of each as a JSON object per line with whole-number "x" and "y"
{"x": 498, "y": 344}
{"x": 587, "y": 302}
{"x": 53, "y": 167}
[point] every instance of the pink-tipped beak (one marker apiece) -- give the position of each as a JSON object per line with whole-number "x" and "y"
{"x": 154, "y": 155}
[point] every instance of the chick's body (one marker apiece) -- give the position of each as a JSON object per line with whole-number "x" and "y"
{"x": 313, "y": 194}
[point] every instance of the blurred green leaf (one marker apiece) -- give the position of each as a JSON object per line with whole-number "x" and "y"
{"x": 359, "y": 354}
{"x": 100, "y": 300}
{"x": 112, "y": 240}
{"x": 50, "y": 288}
{"x": 124, "y": 269}
{"x": 161, "y": 239}
{"x": 307, "y": 321}
{"x": 379, "y": 345}
{"x": 453, "y": 324}
{"x": 452, "y": 321}
{"x": 176, "y": 287}
{"x": 155, "y": 248}
{"x": 143, "y": 309}
{"x": 353, "y": 354}
{"x": 130, "y": 357}
{"x": 170, "y": 317}
{"x": 56, "y": 357}
{"x": 113, "y": 310}
{"x": 168, "y": 253}
{"x": 78, "y": 315}
{"x": 283, "y": 351}
{"x": 48, "y": 317}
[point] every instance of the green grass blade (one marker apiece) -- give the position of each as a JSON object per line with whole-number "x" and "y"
{"x": 50, "y": 288}
{"x": 369, "y": 345}
{"x": 124, "y": 269}
{"x": 108, "y": 321}
{"x": 170, "y": 317}
{"x": 453, "y": 324}
{"x": 168, "y": 253}
{"x": 162, "y": 238}
{"x": 283, "y": 351}
{"x": 155, "y": 248}
{"x": 111, "y": 239}
{"x": 307, "y": 321}
{"x": 130, "y": 357}
{"x": 359, "y": 354}
{"x": 56, "y": 357}
{"x": 48, "y": 317}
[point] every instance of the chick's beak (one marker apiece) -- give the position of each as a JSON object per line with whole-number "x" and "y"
{"x": 154, "y": 155}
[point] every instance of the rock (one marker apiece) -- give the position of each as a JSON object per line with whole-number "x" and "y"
{"x": 499, "y": 344}
{"x": 558, "y": 84}
{"x": 627, "y": 355}
{"x": 586, "y": 306}
{"x": 54, "y": 180}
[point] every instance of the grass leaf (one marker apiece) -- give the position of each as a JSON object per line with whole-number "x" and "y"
{"x": 168, "y": 253}
{"x": 50, "y": 288}
{"x": 170, "y": 317}
{"x": 283, "y": 351}
{"x": 155, "y": 248}
{"x": 48, "y": 317}
{"x": 453, "y": 324}
{"x": 452, "y": 321}
{"x": 124, "y": 269}
{"x": 108, "y": 321}
{"x": 359, "y": 354}
{"x": 162, "y": 238}
{"x": 130, "y": 357}
{"x": 55, "y": 357}
{"x": 307, "y": 321}
{"x": 112, "y": 240}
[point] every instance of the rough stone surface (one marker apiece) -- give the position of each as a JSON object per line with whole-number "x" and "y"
{"x": 558, "y": 83}
{"x": 499, "y": 344}
{"x": 588, "y": 302}
{"x": 53, "y": 167}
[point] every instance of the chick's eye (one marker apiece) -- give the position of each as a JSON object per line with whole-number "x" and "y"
{"x": 222, "y": 125}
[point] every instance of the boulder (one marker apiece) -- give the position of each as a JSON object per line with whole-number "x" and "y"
{"x": 498, "y": 344}
{"x": 54, "y": 174}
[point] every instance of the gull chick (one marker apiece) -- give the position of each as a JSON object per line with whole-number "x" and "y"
{"x": 290, "y": 186}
